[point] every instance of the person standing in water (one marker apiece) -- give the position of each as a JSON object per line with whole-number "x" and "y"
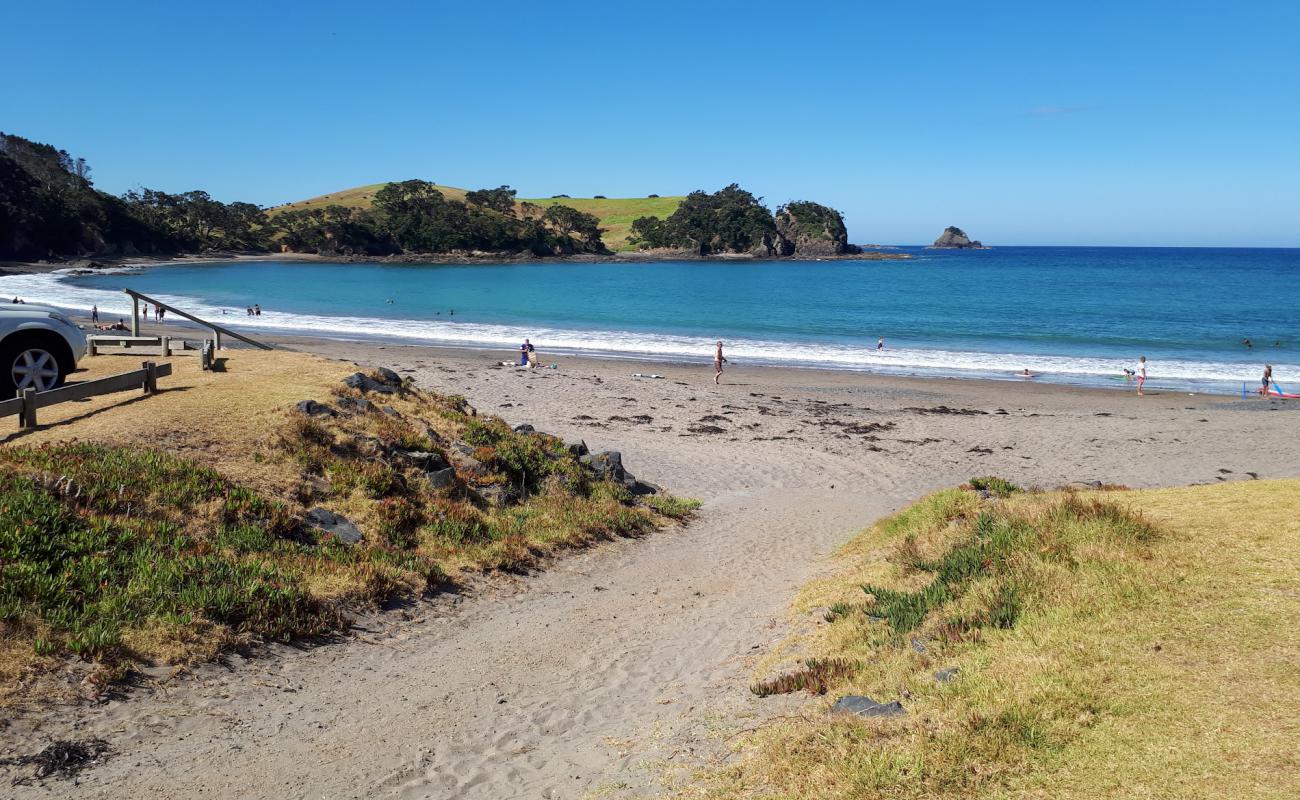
{"x": 1140, "y": 373}
{"x": 1267, "y": 380}
{"x": 880, "y": 344}
{"x": 718, "y": 360}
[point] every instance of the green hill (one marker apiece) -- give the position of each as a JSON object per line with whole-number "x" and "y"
{"x": 615, "y": 214}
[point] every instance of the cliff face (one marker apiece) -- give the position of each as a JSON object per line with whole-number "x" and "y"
{"x": 955, "y": 239}
{"x": 810, "y": 230}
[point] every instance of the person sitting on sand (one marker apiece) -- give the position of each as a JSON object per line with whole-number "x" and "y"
{"x": 1141, "y": 373}
{"x": 718, "y": 360}
{"x": 523, "y": 353}
{"x": 1267, "y": 380}
{"x": 532, "y": 356}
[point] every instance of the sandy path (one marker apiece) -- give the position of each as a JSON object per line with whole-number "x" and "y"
{"x": 591, "y": 678}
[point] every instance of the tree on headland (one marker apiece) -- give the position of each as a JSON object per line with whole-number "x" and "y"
{"x": 571, "y": 222}
{"x": 500, "y": 199}
{"x": 730, "y": 220}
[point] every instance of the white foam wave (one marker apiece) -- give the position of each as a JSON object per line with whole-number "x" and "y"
{"x": 51, "y": 289}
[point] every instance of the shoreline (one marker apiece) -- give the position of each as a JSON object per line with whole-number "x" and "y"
{"x": 1213, "y": 373}
{"x": 91, "y": 263}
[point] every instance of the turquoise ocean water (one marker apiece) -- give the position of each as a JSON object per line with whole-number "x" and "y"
{"x": 1073, "y": 315}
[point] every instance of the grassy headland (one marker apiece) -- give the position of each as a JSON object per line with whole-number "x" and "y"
{"x": 616, "y": 215}
{"x": 131, "y": 536}
{"x": 1115, "y": 644}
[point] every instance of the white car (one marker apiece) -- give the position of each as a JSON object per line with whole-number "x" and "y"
{"x": 39, "y": 347}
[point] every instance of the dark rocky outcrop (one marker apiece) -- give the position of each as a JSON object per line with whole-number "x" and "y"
{"x": 811, "y": 230}
{"x": 954, "y": 238}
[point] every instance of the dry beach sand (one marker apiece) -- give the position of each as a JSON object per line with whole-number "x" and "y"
{"x": 627, "y": 665}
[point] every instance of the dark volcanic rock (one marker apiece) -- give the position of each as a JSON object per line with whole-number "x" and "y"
{"x": 955, "y": 239}
{"x": 388, "y": 376}
{"x": 608, "y": 465}
{"x": 326, "y": 521}
{"x": 861, "y": 706}
{"x": 441, "y": 477}
{"x": 525, "y": 429}
{"x": 358, "y": 404}
{"x": 313, "y": 409}
{"x": 366, "y": 383}
{"x": 811, "y": 230}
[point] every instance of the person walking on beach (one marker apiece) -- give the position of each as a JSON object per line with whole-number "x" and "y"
{"x": 1267, "y": 380}
{"x": 94, "y": 314}
{"x": 718, "y": 360}
{"x": 1140, "y": 373}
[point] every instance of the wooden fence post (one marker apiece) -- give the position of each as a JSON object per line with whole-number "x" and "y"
{"x": 135, "y": 315}
{"x": 150, "y": 377}
{"x": 27, "y": 416}
{"x": 166, "y": 344}
{"x": 216, "y": 341}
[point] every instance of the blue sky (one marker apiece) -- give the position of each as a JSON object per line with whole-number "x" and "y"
{"x": 1122, "y": 123}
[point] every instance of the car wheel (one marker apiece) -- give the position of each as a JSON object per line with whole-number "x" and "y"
{"x": 29, "y": 365}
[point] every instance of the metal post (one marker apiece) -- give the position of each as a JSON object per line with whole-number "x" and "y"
{"x": 135, "y": 315}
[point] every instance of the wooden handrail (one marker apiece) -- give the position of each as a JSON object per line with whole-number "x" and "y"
{"x": 136, "y": 297}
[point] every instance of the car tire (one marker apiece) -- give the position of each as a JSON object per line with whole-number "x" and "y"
{"x": 33, "y": 361}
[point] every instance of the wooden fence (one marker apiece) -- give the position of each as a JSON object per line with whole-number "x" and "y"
{"x": 29, "y": 400}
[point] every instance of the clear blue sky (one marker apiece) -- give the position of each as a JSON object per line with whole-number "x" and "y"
{"x": 1163, "y": 123}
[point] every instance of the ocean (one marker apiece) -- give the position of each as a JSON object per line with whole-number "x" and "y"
{"x": 1074, "y": 315}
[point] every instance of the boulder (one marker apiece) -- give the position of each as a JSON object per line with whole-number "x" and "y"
{"x": 525, "y": 429}
{"x": 356, "y": 404}
{"x": 947, "y": 675}
{"x": 392, "y": 412}
{"x": 608, "y": 465}
{"x": 439, "y": 478}
{"x": 861, "y": 706}
{"x": 578, "y": 448}
{"x": 388, "y": 376}
{"x": 955, "y": 239}
{"x": 366, "y": 383}
{"x": 326, "y": 521}
{"x": 313, "y": 409}
{"x": 429, "y": 462}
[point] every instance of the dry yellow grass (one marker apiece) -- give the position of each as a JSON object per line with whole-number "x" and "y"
{"x": 1158, "y": 669}
{"x": 225, "y": 420}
